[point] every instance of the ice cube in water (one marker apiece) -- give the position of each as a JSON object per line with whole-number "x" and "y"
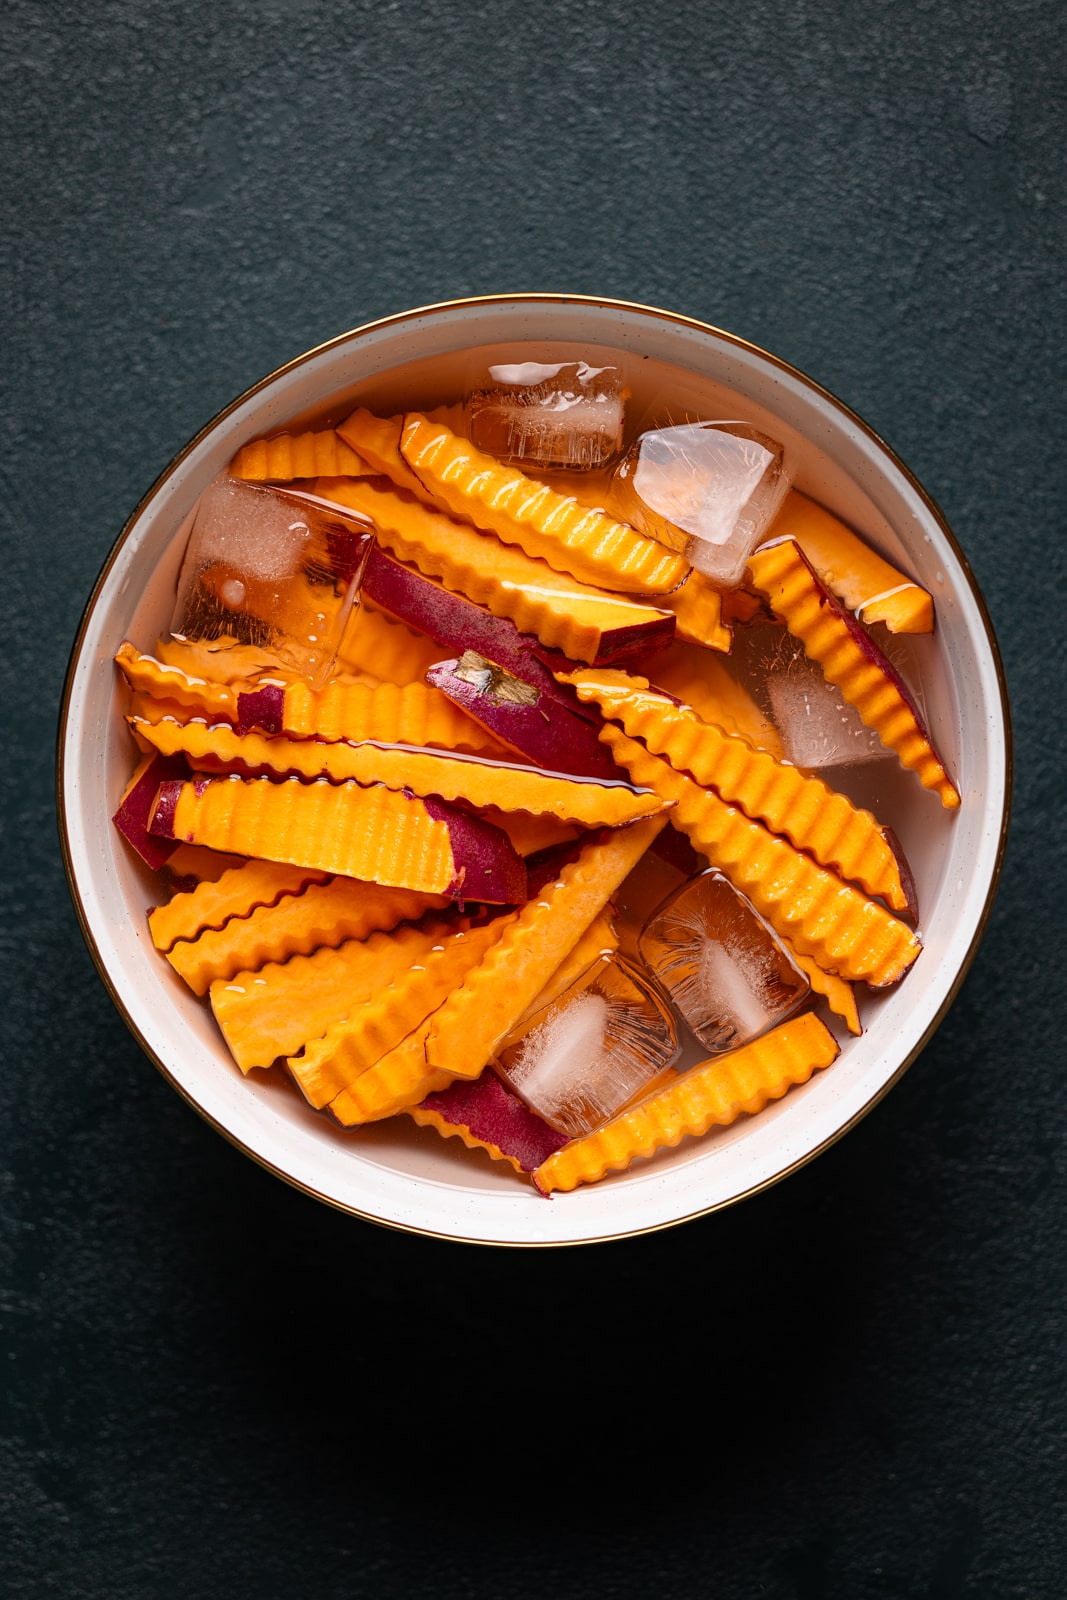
{"x": 817, "y": 726}
{"x": 561, "y": 416}
{"x": 271, "y": 568}
{"x": 721, "y": 964}
{"x": 708, "y": 489}
{"x": 604, "y": 1042}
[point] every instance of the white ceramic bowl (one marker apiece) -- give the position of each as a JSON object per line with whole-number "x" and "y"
{"x": 409, "y": 1178}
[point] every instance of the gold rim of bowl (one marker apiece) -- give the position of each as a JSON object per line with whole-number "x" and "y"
{"x": 666, "y": 316}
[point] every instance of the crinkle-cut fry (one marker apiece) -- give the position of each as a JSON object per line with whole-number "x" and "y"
{"x": 410, "y": 713}
{"x": 465, "y": 1032}
{"x": 377, "y": 441}
{"x": 401, "y": 1078}
{"x": 838, "y": 993}
{"x": 193, "y": 864}
{"x": 697, "y": 608}
{"x": 236, "y": 893}
{"x": 146, "y": 708}
{"x": 841, "y": 836}
{"x": 286, "y": 456}
{"x": 486, "y": 1115}
{"x": 701, "y": 680}
{"x": 860, "y": 577}
{"x": 405, "y": 769}
{"x": 378, "y": 834}
{"x": 274, "y": 1011}
{"x": 713, "y": 1094}
{"x": 321, "y": 916}
{"x": 821, "y": 915}
{"x": 850, "y": 660}
{"x": 333, "y": 1063}
{"x": 563, "y": 613}
{"x": 571, "y": 538}
{"x": 148, "y": 676}
{"x": 599, "y": 942}
{"x": 376, "y": 644}
{"x": 222, "y": 660}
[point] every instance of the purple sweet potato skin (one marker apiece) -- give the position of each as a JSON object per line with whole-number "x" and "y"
{"x": 134, "y": 816}
{"x": 262, "y": 708}
{"x": 548, "y": 733}
{"x": 486, "y": 864}
{"x": 161, "y": 823}
{"x": 491, "y": 1112}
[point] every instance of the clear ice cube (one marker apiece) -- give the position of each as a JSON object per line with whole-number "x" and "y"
{"x": 710, "y": 489}
{"x": 556, "y": 416}
{"x": 607, "y": 1040}
{"x": 721, "y": 964}
{"x": 817, "y": 726}
{"x": 272, "y": 568}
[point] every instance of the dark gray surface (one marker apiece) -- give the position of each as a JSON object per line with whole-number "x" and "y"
{"x": 850, "y": 1387}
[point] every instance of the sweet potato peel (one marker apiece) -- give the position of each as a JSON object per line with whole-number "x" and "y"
{"x": 811, "y": 815}
{"x": 821, "y": 915}
{"x": 571, "y": 538}
{"x": 713, "y": 1094}
{"x": 486, "y": 1115}
{"x": 849, "y": 659}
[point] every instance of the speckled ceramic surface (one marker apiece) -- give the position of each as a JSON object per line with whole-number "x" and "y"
{"x": 408, "y": 1178}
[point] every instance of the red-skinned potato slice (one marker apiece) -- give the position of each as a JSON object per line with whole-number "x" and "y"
{"x": 821, "y": 915}
{"x": 805, "y": 810}
{"x": 859, "y": 577}
{"x": 585, "y": 801}
{"x": 850, "y": 659}
{"x": 539, "y": 725}
{"x": 713, "y": 1094}
{"x": 374, "y": 834}
{"x": 286, "y": 456}
{"x": 584, "y": 623}
{"x": 486, "y": 1115}
{"x": 519, "y": 510}
{"x": 134, "y": 814}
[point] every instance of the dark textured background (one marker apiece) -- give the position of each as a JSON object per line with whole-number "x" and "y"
{"x": 850, "y": 1387}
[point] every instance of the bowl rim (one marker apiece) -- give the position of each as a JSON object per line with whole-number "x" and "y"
{"x": 543, "y": 298}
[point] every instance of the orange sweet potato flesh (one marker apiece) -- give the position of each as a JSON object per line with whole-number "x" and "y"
{"x": 560, "y": 611}
{"x": 705, "y": 683}
{"x": 322, "y": 915}
{"x": 820, "y": 914}
{"x": 147, "y": 675}
{"x": 859, "y": 576}
{"x": 467, "y": 1029}
{"x": 713, "y": 1094}
{"x": 849, "y": 659}
{"x": 697, "y": 608}
{"x": 275, "y": 1010}
{"x": 377, "y": 441}
{"x": 387, "y": 650}
{"x": 411, "y": 714}
{"x": 286, "y": 456}
{"x": 571, "y": 538}
{"x": 811, "y": 815}
{"x": 237, "y": 892}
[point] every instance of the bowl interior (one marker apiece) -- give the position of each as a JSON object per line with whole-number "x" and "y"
{"x": 410, "y": 1178}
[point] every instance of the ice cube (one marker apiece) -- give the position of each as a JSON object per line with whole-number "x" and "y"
{"x": 817, "y": 726}
{"x": 721, "y": 964}
{"x": 563, "y": 416}
{"x": 707, "y": 488}
{"x": 272, "y": 568}
{"x": 608, "y": 1039}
